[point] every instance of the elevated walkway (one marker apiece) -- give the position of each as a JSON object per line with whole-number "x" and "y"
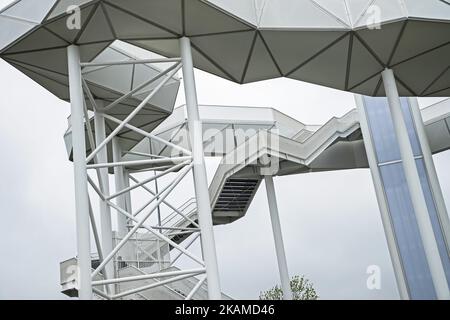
{"x": 337, "y": 145}
{"x": 255, "y": 141}
{"x": 259, "y": 134}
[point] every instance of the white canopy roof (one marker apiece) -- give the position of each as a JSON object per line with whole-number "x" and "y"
{"x": 343, "y": 44}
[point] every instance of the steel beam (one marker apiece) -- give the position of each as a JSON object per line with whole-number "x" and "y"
{"x": 278, "y": 238}
{"x": 80, "y": 173}
{"x": 199, "y": 172}
{"x": 122, "y": 221}
{"x": 105, "y": 210}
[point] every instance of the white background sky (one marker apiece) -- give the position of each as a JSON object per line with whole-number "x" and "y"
{"x": 331, "y": 222}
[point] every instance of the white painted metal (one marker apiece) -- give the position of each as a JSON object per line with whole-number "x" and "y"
{"x": 163, "y": 161}
{"x": 159, "y": 235}
{"x": 151, "y": 286}
{"x": 122, "y": 63}
{"x": 196, "y": 288}
{"x": 122, "y": 221}
{"x": 278, "y": 238}
{"x": 140, "y": 223}
{"x": 431, "y": 171}
{"x": 80, "y": 173}
{"x": 199, "y": 173}
{"x": 126, "y": 179}
{"x": 188, "y": 244}
{"x": 105, "y": 210}
{"x": 151, "y": 136}
{"x": 149, "y": 276}
{"x": 133, "y": 113}
{"x": 415, "y": 189}
{"x": 382, "y": 202}
{"x": 143, "y": 182}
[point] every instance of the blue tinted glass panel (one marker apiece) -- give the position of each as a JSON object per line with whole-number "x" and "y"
{"x": 434, "y": 218}
{"x": 407, "y": 233}
{"x": 408, "y": 238}
{"x": 382, "y": 128}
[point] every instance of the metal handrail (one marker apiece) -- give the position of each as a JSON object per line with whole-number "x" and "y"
{"x": 174, "y": 213}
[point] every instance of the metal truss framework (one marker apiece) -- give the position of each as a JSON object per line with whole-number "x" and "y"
{"x": 103, "y": 279}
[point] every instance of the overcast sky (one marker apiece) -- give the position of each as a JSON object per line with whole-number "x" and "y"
{"x": 331, "y": 222}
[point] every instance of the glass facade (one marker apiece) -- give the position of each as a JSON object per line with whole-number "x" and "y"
{"x": 409, "y": 244}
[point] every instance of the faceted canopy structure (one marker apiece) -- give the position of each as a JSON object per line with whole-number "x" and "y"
{"x": 342, "y": 44}
{"x": 110, "y": 83}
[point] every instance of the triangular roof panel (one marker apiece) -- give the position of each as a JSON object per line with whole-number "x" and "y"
{"x": 31, "y": 10}
{"x": 298, "y": 14}
{"x": 167, "y": 14}
{"x": 259, "y": 62}
{"x": 379, "y": 12}
{"x": 329, "y": 67}
{"x": 12, "y": 29}
{"x": 430, "y": 9}
{"x": 202, "y": 19}
{"x": 63, "y": 6}
{"x": 129, "y": 26}
{"x": 245, "y": 10}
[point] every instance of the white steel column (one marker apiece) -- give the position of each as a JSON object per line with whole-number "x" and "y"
{"x": 80, "y": 174}
{"x": 415, "y": 188}
{"x": 122, "y": 221}
{"x": 120, "y": 185}
{"x": 126, "y": 183}
{"x": 278, "y": 238}
{"x": 199, "y": 171}
{"x": 431, "y": 170}
{"x": 105, "y": 210}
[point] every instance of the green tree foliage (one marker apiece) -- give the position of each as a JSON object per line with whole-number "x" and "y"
{"x": 302, "y": 289}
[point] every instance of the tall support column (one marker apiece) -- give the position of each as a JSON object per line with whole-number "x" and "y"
{"x": 388, "y": 227}
{"x": 415, "y": 188}
{"x": 431, "y": 170}
{"x": 126, "y": 180}
{"x": 105, "y": 210}
{"x": 199, "y": 172}
{"x": 80, "y": 174}
{"x": 278, "y": 238}
{"x": 122, "y": 223}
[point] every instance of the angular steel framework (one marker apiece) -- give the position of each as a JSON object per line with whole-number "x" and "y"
{"x": 97, "y": 160}
{"x": 373, "y": 47}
